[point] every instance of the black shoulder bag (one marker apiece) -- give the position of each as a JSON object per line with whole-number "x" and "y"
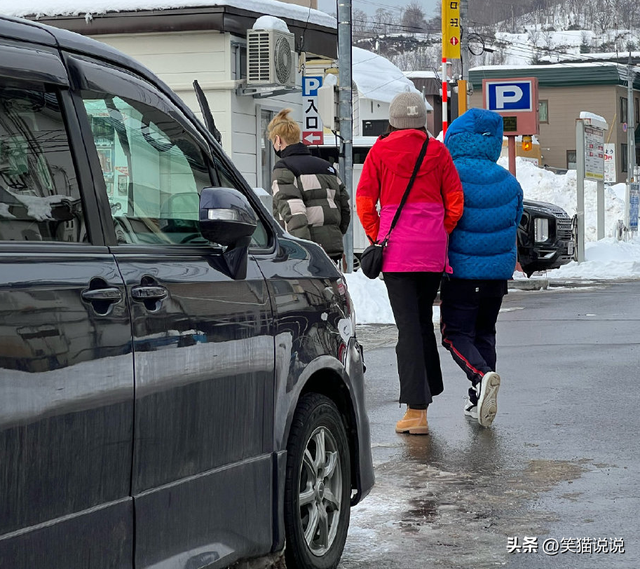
{"x": 371, "y": 259}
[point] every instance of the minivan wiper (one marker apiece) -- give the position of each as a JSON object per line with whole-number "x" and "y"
{"x": 207, "y": 115}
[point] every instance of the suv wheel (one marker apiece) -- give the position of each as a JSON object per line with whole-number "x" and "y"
{"x": 318, "y": 486}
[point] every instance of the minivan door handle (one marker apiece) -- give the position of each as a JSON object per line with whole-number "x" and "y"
{"x": 148, "y": 292}
{"x": 110, "y": 294}
{"x": 101, "y": 296}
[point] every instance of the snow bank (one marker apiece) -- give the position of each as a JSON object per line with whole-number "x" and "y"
{"x": 606, "y": 259}
{"x": 372, "y": 302}
{"x": 561, "y": 190}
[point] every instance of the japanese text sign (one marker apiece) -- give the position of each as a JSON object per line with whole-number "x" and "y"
{"x": 311, "y": 122}
{"x": 450, "y": 29}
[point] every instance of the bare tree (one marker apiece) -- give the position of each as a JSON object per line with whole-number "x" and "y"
{"x": 359, "y": 24}
{"x": 383, "y": 22}
{"x": 413, "y": 18}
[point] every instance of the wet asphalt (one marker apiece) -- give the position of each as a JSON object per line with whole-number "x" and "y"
{"x": 559, "y": 466}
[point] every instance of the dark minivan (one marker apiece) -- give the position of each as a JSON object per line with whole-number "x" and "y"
{"x": 180, "y": 382}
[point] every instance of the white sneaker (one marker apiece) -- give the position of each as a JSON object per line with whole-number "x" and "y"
{"x": 488, "y": 398}
{"x": 471, "y": 409}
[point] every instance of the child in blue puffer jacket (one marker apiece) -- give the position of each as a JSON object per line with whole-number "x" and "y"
{"x": 482, "y": 254}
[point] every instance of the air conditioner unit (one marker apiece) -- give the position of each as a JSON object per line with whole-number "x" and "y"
{"x": 271, "y": 58}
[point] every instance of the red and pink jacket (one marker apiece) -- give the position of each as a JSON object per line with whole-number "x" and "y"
{"x": 419, "y": 239}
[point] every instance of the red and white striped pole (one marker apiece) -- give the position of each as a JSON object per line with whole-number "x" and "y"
{"x": 445, "y": 110}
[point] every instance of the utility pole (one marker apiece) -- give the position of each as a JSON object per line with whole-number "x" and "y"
{"x": 463, "y": 102}
{"x": 345, "y": 103}
{"x": 580, "y": 171}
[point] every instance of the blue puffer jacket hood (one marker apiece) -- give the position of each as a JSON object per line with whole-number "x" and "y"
{"x": 483, "y": 244}
{"x": 477, "y": 133}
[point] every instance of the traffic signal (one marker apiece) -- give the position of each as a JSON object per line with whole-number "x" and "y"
{"x": 526, "y": 143}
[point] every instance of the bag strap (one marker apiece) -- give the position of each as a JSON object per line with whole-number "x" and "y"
{"x": 423, "y": 152}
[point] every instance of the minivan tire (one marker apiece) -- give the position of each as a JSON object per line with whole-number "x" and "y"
{"x": 317, "y": 489}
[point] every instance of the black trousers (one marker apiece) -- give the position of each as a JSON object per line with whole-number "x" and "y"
{"x": 411, "y": 296}
{"x": 468, "y": 314}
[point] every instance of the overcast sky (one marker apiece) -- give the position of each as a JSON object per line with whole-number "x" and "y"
{"x": 370, "y": 6}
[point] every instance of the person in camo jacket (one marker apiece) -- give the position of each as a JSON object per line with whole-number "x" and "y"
{"x": 308, "y": 196}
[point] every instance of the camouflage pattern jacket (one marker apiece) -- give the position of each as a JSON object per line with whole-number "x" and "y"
{"x": 310, "y": 199}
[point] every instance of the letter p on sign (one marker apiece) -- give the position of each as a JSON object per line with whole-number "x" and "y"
{"x": 507, "y": 94}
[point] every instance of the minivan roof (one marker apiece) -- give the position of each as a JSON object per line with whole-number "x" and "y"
{"x": 35, "y": 32}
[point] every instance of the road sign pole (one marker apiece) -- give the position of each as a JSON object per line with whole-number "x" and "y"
{"x": 580, "y": 173}
{"x": 600, "y": 206}
{"x": 445, "y": 110}
{"x": 511, "y": 145}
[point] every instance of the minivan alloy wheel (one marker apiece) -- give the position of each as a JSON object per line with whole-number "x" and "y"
{"x": 320, "y": 491}
{"x": 317, "y": 497}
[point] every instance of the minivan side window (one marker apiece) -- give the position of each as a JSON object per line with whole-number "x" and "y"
{"x": 260, "y": 238}
{"x": 39, "y": 193}
{"x": 153, "y": 171}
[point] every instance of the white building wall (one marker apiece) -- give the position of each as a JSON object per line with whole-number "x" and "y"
{"x": 371, "y": 109}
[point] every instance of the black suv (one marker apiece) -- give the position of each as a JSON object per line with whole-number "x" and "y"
{"x": 545, "y": 237}
{"x": 180, "y": 382}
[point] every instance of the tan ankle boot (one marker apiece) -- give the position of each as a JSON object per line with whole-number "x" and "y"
{"x": 414, "y": 422}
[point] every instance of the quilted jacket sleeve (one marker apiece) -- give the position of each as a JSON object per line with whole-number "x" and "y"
{"x": 345, "y": 208}
{"x": 367, "y": 196}
{"x": 452, "y": 194}
{"x": 520, "y": 204}
{"x": 288, "y": 205}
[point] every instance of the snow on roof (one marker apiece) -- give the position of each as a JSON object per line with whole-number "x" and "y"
{"x": 42, "y": 8}
{"x": 377, "y": 78}
{"x": 606, "y": 55}
{"x": 554, "y": 66}
{"x": 420, "y": 74}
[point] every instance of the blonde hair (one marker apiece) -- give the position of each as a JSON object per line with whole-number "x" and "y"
{"x": 285, "y": 127}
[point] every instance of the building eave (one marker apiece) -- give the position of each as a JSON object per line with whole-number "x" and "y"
{"x": 318, "y": 40}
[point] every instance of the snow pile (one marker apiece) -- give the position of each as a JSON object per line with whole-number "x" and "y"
{"x": 377, "y": 78}
{"x": 605, "y": 259}
{"x": 42, "y": 8}
{"x": 270, "y": 23}
{"x": 561, "y": 190}
{"x": 370, "y": 299}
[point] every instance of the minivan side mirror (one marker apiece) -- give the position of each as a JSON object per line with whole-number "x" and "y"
{"x": 226, "y": 217}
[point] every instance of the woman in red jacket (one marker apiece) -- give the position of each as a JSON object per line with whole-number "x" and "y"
{"x": 416, "y": 254}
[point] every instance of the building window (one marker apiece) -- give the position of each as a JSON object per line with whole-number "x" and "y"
{"x": 623, "y": 158}
{"x": 266, "y": 149}
{"x": 374, "y": 127}
{"x": 543, "y": 111}
{"x": 571, "y": 159}
{"x": 623, "y": 109}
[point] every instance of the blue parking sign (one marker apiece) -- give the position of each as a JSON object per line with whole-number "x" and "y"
{"x": 310, "y": 85}
{"x": 509, "y": 96}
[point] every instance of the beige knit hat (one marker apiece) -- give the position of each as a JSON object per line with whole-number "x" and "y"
{"x": 407, "y": 110}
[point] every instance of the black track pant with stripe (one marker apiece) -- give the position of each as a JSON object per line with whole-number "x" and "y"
{"x": 468, "y": 314}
